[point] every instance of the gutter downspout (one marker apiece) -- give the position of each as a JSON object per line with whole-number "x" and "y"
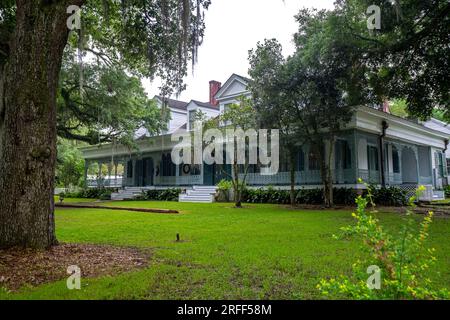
{"x": 385, "y": 126}
{"x": 445, "y": 180}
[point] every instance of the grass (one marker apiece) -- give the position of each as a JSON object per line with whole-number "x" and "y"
{"x": 259, "y": 252}
{"x": 442, "y": 202}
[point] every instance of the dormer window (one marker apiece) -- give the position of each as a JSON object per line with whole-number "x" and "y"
{"x": 192, "y": 119}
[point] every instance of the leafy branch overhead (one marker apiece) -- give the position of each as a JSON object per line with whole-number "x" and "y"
{"x": 110, "y": 105}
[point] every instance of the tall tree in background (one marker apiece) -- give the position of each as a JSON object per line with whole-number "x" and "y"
{"x": 274, "y": 106}
{"x": 407, "y": 58}
{"x": 311, "y": 95}
{"x": 148, "y": 37}
{"x": 69, "y": 164}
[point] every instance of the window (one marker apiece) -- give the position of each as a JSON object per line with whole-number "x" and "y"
{"x": 169, "y": 169}
{"x": 130, "y": 169}
{"x": 372, "y": 158}
{"x": 395, "y": 160}
{"x": 448, "y": 166}
{"x": 313, "y": 159}
{"x": 343, "y": 155}
{"x": 440, "y": 163}
{"x": 301, "y": 161}
{"x": 192, "y": 119}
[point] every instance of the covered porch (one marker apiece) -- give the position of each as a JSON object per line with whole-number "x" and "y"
{"x": 147, "y": 170}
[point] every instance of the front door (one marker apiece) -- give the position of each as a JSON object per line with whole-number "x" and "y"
{"x": 208, "y": 174}
{"x": 147, "y": 171}
{"x": 139, "y": 179}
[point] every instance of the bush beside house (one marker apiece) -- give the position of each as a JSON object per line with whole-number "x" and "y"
{"x": 91, "y": 193}
{"x": 385, "y": 196}
{"x": 160, "y": 195}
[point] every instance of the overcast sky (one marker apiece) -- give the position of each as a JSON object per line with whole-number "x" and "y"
{"x": 233, "y": 27}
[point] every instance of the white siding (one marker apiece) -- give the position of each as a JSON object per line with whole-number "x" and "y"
{"x": 178, "y": 120}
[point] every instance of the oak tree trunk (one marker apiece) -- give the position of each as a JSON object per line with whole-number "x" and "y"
{"x": 28, "y": 124}
{"x": 326, "y": 174}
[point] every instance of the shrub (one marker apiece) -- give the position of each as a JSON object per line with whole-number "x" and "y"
{"x": 310, "y": 196}
{"x": 92, "y": 193}
{"x": 447, "y": 191}
{"x": 344, "y": 196}
{"x": 160, "y": 195}
{"x": 170, "y": 195}
{"x": 401, "y": 263}
{"x": 389, "y": 196}
{"x": 269, "y": 195}
{"x": 224, "y": 187}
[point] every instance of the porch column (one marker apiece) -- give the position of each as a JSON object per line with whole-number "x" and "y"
{"x": 133, "y": 183}
{"x": 99, "y": 175}
{"x": 177, "y": 174}
{"x": 116, "y": 164}
{"x": 110, "y": 165}
{"x": 86, "y": 169}
{"x": 400, "y": 161}
{"x": 416, "y": 153}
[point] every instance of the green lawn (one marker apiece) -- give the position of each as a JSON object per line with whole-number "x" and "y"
{"x": 261, "y": 251}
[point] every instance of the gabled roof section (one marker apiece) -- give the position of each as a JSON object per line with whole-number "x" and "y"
{"x": 438, "y": 125}
{"x": 175, "y": 104}
{"x": 205, "y": 105}
{"x": 243, "y": 81}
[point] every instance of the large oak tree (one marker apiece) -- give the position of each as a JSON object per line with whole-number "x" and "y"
{"x": 148, "y": 37}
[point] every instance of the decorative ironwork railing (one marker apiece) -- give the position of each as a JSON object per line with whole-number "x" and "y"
{"x": 370, "y": 176}
{"x": 426, "y": 180}
{"x": 301, "y": 178}
{"x": 178, "y": 181}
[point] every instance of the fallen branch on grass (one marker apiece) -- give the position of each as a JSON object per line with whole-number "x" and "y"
{"x": 81, "y": 206}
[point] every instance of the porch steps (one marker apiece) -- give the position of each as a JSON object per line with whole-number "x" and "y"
{"x": 199, "y": 194}
{"x": 438, "y": 195}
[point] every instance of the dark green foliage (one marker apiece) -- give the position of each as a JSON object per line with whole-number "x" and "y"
{"x": 269, "y": 195}
{"x": 69, "y": 165}
{"x": 345, "y": 196}
{"x": 389, "y": 196}
{"x": 91, "y": 193}
{"x": 304, "y": 196}
{"x": 447, "y": 191}
{"x": 310, "y": 196}
{"x": 408, "y": 57}
{"x": 160, "y": 195}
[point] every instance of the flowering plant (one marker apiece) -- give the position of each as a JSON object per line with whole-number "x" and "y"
{"x": 403, "y": 261}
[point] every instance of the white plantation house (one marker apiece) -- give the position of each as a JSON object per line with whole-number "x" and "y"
{"x": 376, "y": 146}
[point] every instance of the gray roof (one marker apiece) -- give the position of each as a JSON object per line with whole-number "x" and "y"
{"x": 175, "y": 104}
{"x": 205, "y": 105}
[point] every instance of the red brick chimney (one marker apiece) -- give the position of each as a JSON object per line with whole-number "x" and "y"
{"x": 214, "y": 87}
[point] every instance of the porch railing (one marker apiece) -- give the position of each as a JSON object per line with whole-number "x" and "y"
{"x": 105, "y": 182}
{"x": 370, "y": 176}
{"x": 178, "y": 181}
{"x": 301, "y": 178}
